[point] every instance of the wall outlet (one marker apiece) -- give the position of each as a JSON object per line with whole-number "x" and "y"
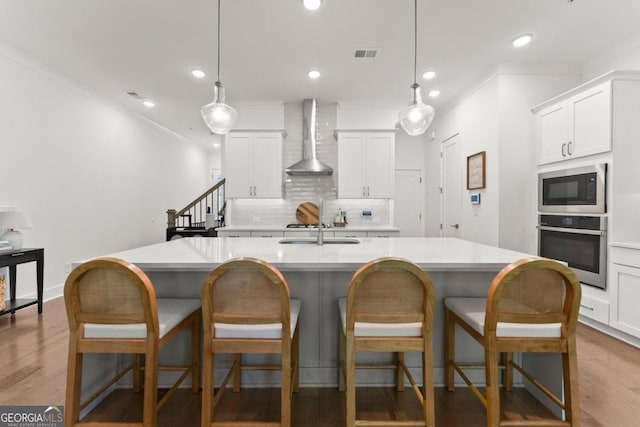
{"x": 67, "y": 267}
{"x": 256, "y": 220}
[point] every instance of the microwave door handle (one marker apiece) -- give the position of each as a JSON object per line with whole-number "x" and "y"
{"x": 572, "y": 230}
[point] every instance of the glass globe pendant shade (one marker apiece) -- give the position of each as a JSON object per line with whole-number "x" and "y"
{"x": 218, "y": 116}
{"x": 417, "y": 116}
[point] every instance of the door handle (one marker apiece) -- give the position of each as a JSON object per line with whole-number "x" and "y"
{"x": 569, "y": 148}
{"x": 563, "y": 147}
{"x": 455, "y": 226}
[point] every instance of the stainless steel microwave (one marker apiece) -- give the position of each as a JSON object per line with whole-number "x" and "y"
{"x": 577, "y": 190}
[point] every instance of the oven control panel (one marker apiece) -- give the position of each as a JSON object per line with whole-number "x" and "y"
{"x": 574, "y": 221}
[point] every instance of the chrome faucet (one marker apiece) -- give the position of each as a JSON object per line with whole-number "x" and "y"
{"x": 320, "y": 240}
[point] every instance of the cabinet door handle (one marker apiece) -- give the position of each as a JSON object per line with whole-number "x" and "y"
{"x": 569, "y": 148}
{"x": 587, "y": 307}
{"x": 563, "y": 147}
{"x": 364, "y": 191}
{"x": 368, "y": 188}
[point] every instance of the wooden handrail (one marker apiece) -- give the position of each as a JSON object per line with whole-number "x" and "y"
{"x": 172, "y": 214}
{"x": 202, "y": 196}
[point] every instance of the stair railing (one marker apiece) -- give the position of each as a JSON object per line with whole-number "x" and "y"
{"x": 194, "y": 214}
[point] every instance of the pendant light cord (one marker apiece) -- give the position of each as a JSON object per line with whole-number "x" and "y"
{"x": 218, "y": 40}
{"x": 415, "y": 42}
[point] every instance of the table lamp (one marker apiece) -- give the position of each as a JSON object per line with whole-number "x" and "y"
{"x": 12, "y": 221}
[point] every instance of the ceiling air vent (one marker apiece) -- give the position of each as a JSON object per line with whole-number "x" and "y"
{"x": 365, "y": 53}
{"x": 133, "y": 94}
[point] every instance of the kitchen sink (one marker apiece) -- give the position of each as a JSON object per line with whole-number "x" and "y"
{"x": 314, "y": 241}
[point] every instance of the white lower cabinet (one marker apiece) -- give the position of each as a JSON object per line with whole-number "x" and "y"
{"x": 594, "y": 308}
{"x": 624, "y": 277}
{"x": 226, "y": 233}
{"x": 267, "y": 234}
{"x": 383, "y": 233}
{"x": 350, "y": 234}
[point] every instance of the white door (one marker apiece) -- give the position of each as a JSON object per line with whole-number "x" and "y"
{"x": 379, "y": 162}
{"x": 553, "y": 133}
{"x": 351, "y": 166}
{"x": 237, "y": 165}
{"x": 409, "y": 202}
{"x": 452, "y": 174}
{"x": 266, "y": 167}
{"x": 591, "y": 126}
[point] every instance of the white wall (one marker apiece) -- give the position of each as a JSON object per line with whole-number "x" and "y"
{"x": 518, "y": 153}
{"x": 496, "y": 118}
{"x": 624, "y": 55}
{"x": 92, "y": 179}
{"x": 476, "y": 120}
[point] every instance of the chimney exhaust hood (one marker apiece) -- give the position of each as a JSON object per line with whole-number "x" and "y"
{"x": 309, "y": 165}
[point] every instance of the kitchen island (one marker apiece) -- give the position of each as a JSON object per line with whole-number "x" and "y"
{"x": 318, "y": 276}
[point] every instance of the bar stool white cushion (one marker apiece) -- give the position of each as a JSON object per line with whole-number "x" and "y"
{"x": 367, "y": 329}
{"x": 171, "y": 311}
{"x": 472, "y": 311}
{"x": 265, "y": 331}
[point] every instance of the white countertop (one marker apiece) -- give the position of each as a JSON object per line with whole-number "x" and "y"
{"x": 284, "y": 228}
{"x": 431, "y": 254}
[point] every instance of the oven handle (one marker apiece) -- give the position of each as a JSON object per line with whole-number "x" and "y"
{"x": 572, "y": 230}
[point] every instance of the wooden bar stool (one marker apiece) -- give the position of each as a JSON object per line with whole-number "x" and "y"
{"x": 246, "y": 309}
{"x": 532, "y": 306}
{"x": 112, "y": 308}
{"x": 388, "y": 308}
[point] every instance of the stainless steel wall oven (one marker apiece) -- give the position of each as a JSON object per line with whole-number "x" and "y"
{"x": 581, "y": 241}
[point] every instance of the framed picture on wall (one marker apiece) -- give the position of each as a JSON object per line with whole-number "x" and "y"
{"x": 476, "y": 171}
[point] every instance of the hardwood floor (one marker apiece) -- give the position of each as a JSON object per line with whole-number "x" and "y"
{"x": 33, "y": 355}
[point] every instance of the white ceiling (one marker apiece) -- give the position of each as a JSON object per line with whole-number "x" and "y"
{"x": 268, "y": 46}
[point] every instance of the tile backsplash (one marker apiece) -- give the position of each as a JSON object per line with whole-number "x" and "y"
{"x": 283, "y": 211}
{"x": 298, "y": 189}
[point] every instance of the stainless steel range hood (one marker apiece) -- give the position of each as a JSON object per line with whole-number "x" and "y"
{"x": 309, "y": 165}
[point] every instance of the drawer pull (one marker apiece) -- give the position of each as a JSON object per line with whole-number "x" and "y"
{"x": 18, "y": 254}
{"x": 587, "y": 307}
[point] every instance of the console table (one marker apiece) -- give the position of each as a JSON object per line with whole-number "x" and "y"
{"x": 12, "y": 259}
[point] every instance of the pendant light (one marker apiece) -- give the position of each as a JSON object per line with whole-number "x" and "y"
{"x": 417, "y": 116}
{"x": 219, "y": 116}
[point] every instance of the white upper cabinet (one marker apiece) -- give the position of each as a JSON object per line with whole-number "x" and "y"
{"x": 365, "y": 164}
{"x": 577, "y": 126}
{"x": 252, "y": 164}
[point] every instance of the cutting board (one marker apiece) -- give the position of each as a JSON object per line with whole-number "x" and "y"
{"x": 307, "y": 213}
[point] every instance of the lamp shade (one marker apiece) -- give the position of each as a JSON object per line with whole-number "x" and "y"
{"x": 11, "y": 220}
{"x": 218, "y": 116}
{"x": 417, "y": 116}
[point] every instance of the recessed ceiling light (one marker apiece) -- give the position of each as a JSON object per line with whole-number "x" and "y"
{"x": 434, "y": 93}
{"x": 149, "y": 103}
{"x": 216, "y": 145}
{"x": 428, "y": 75}
{"x": 522, "y": 40}
{"x": 312, "y": 4}
{"x": 198, "y": 73}
{"x": 314, "y": 74}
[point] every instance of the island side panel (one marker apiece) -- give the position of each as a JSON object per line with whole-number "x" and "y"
{"x": 319, "y": 325}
